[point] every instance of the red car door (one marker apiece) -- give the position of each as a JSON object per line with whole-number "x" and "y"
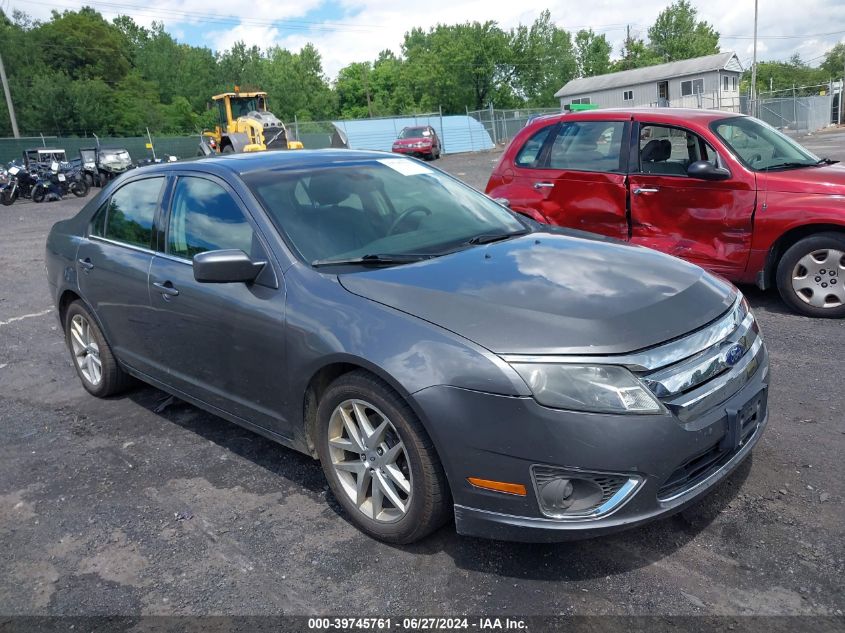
{"x": 707, "y": 222}
{"x": 572, "y": 173}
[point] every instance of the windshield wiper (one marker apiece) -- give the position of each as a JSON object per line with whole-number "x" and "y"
{"x": 826, "y": 161}
{"x": 371, "y": 260}
{"x": 789, "y": 164}
{"x": 489, "y": 238}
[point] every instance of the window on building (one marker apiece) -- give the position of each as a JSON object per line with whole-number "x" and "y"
{"x": 726, "y": 83}
{"x": 580, "y": 101}
{"x": 628, "y": 95}
{"x": 692, "y": 87}
{"x": 734, "y": 81}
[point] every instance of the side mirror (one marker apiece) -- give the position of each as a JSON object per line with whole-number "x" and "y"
{"x": 705, "y": 170}
{"x": 503, "y": 201}
{"x": 222, "y": 267}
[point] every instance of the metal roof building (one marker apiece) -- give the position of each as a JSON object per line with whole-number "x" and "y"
{"x": 702, "y": 82}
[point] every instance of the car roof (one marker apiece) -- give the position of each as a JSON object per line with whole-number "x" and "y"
{"x": 249, "y": 162}
{"x": 668, "y": 115}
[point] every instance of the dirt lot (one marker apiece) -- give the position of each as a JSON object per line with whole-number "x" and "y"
{"x": 133, "y": 505}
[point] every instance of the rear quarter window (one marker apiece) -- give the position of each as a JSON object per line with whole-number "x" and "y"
{"x": 529, "y": 153}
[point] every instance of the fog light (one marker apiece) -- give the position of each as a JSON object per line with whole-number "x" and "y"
{"x": 557, "y": 494}
{"x": 570, "y": 494}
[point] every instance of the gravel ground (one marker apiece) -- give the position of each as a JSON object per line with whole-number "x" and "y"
{"x": 137, "y": 505}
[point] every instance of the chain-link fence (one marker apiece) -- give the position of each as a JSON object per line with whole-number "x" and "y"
{"x": 502, "y": 125}
{"x": 801, "y": 109}
{"x": 181, "y": 146}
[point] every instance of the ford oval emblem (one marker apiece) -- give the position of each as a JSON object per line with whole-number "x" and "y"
{"x": 734, "y": 354}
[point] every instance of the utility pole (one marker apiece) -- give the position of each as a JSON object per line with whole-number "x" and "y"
{"x": 9, "y": 104}
{"x": 754, "y": 108}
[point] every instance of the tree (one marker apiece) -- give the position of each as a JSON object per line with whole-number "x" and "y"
{"x": 834, "y": 61}
{"x": 677, "y": 34}
{"x": 544, "y": 59}
{"x": 635, "y": 54}
{"x": 592, "y": 53}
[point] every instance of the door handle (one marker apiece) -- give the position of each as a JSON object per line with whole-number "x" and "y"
{"x": 86, "y": 263}
{"x": 640, "y": 190}
{"x": 543, "y": 185}
{"x": 166, "y": 288}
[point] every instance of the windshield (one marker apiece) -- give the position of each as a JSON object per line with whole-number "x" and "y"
{"x": 761, "y": 146}
{"x": 241, "y": 106}
{"x": 392, "y": 206}
{"x": 414, "y": 132}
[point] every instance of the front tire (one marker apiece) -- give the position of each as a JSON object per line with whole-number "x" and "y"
{"x": 39, "y": 193}
{"x": 8, "y": 198}
{"x": 92, "y": 357}
{"x": 379, "y": 461}
{"x": 811, "y": 276}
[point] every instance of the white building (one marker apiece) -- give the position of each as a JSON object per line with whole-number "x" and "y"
{"x": 702, "y": 82}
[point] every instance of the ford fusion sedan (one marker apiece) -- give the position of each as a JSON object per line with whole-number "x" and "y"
{"x": 441, "y": 356}
{"x": 723, "y": 191}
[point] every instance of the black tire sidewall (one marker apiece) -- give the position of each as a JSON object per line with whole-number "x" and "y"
{"x": 787, "y": 263}
{"x": 361, "y": 389}
{"x": 38, "y": 194}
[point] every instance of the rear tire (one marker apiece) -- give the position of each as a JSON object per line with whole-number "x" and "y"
{"x": 398, "y": 463}
{"x": 39, "y": 193}
{"x": 79, "y": 188}
{"x": 811, "y": 276}
{"x": 8, "y": 199}
{"x": 92, "y": 357}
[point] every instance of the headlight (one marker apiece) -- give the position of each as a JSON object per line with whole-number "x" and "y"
{"x": 597, "y": 388}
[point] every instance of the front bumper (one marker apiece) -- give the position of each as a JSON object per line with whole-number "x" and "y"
{"x": 500, "y": 438}
{"x": 412, "y": 151}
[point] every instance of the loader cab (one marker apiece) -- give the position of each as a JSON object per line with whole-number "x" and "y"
{"x": 233, "y": 105}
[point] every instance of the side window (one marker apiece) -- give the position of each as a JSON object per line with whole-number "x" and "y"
{"x": 670, "y": 150}
{"x": 529, "y": 155}
{"x": 98, "y": 222}
{"x": 204, "y": 217}
{"x": 131, "y": 211}
{"x": 588, "y": 146}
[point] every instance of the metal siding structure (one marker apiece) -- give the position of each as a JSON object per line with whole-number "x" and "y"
{"x": 608, "y": 91}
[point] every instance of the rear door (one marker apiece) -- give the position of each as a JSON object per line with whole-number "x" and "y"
{"x": 705, "y": 222}
{"x": 113, "y": 264}
{"x": 574, "y": 174}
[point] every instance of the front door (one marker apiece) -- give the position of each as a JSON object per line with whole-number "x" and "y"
{"x": 113, "y": 264}
{"x": 222, "y": 343}
{"x": 578, "y": 178}
{"x": 708, "y": 223}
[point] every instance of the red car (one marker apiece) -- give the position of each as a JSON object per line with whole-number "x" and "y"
{"x": 419, "y": 141}
{"x": 724, "y": 191}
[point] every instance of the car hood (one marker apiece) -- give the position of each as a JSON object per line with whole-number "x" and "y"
{"x": 826, "y": 179}
{"x": 553, "y": 294}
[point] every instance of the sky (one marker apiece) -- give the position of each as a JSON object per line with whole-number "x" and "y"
{"x": 346, "y": 31}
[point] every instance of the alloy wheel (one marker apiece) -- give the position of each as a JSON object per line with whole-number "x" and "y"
{"x": 86, "y": 351}
{"x": 370, "y": 461}
{"x": 819, "y": 278}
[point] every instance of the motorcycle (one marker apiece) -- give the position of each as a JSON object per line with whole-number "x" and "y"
{"x": 53, "y": 185}
{"x": 20, "y": 184}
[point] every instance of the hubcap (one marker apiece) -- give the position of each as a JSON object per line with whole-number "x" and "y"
{"x": 370, "y": 461}
{"x": 819, "y": 278}
{"x": 86, "y": 352}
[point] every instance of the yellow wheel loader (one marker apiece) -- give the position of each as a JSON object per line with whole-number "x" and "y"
{"x": 245, "y": 126}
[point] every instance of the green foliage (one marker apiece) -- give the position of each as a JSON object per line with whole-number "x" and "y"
{"x": 77, "y": 73}
{"x": 592, "y": 53}
{"x": 677, "y": 34}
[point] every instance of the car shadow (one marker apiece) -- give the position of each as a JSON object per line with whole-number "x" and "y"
{"x": 766, "y": 300}
{"x": 567, "y": 561}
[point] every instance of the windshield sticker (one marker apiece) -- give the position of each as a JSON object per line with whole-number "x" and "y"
{"x": 405, "y": 167}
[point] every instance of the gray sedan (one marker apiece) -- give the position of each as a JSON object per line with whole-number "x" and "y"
{"x": 440, "y": 356}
